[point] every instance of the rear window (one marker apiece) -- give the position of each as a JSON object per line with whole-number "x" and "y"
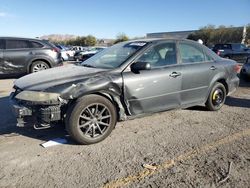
{"x": 34, "y": 44}
{"x": 16, "y": 44}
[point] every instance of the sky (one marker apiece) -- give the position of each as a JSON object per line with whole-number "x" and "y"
{"x": 108, "y": 18}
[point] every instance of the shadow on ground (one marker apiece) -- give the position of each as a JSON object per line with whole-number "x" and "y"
{"x": 244, "y": 83}
{"x": 8, "y": 126}
{"x": 238, "y": 102}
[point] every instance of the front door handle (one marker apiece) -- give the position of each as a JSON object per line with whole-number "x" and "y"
{"x": 175, "y": 74}
{"x": 213, "y": 68}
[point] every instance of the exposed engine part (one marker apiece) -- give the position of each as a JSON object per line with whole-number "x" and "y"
{"x": 48, "y": 114}
{"x": 41, "y": 126}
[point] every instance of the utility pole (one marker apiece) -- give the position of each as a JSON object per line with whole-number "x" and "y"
{"x": 244, "y": 35}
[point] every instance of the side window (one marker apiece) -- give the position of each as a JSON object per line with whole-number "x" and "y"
{"x": 16, "y": 44}
{"x": 160, "y": 55}
{"x": 190, "y": 53}
{"x": 1, "y": 44}
{"x": 243, "y": 47}
{"x": 34, "y": 44}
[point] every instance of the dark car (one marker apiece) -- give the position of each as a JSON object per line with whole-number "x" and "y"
{"x": 245, "y": 70}
{"x": 24, "y": 55}
{"x": 82, "y": 56}
{"x": 124, "y": 81}
{"x": 236, "y": 51}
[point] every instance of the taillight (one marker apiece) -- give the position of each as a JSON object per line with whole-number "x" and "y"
{"x": 218, "y": 52}
{"x": 56, "y": 50}
{"x": 237, "y": 68}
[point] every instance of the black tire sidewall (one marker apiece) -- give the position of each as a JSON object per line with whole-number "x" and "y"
{"x": 74, "y": 111}
{"x": 209, "y": 103}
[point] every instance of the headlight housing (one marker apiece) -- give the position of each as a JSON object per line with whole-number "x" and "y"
{"x": 38, "y": 97}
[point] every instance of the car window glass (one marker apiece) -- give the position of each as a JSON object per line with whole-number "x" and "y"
{"x": 35, "y": 44}
{"x": 16, "y": 44}
{"x": 190, "y": 53}
{"x": 237, "y": 47}
{"x": 160, "y": 55}
{"x": 243, "y": 47}
{"x": 1, "y": 44}
{"x": 208, "y": 58}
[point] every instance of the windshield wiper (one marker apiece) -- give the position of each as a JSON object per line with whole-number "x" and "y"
{"x": 88, "y": 65}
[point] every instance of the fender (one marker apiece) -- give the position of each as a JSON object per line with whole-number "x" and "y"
{"x": 107, "y": 86}
{"x": 218, "y": 76}
{"x": 37, "y": 58}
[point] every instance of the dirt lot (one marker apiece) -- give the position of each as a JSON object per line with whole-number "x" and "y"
{"x": 186, "y": 148}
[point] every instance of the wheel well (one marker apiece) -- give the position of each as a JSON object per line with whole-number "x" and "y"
{"x": 43, "y": 60}
{"x": 223, "y": 81}
{"x": 109, "y": 97}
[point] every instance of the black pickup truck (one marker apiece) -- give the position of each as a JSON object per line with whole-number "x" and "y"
{"x": 236, "y": 51}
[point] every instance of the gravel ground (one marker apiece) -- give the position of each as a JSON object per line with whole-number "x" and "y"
{"x": 183, "y": 148}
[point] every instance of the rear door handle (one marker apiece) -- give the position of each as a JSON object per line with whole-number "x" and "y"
{"x": 175, "y": 74}
{"x": 213, "y": 68}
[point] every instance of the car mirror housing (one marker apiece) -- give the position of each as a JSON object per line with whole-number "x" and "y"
{"x": 138, "y": 66}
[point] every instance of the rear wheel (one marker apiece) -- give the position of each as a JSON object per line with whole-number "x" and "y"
{"x": 217, "y": 97}
{"x": 91, "y": 119}
{"x": 38, "y": 66}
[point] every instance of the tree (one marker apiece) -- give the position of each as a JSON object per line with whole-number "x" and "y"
{"x": 121, "y": 38}
{"x": 90, "y": 40}
{"x": 211, "y": 35}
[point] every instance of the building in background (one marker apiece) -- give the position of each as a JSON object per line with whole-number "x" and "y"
{"x": 174, "y": 34}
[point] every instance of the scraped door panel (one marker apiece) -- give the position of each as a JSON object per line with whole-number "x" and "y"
{"x": 152, "y": 90}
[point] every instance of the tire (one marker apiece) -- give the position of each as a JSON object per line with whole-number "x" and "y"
{"x": 217, "y": 97}
{"x": 38, "y": 66}
{"x": 91, "y": 119}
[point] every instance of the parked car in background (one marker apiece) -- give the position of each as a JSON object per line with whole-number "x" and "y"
{"x": 75, "y": 49}
{"x": 236, "y": 51}
{"x": 26, "y": 55}
{"x": 64, "y": 52}
{"x": 126, "y": 80}
{"x": 96, "y": 48}
{"x": 82, "y": 56}
{"x": 245, "y": 70}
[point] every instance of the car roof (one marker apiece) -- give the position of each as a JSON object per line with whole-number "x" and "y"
{"x": 21, "y": 38}
{"x": 160, "y": 40}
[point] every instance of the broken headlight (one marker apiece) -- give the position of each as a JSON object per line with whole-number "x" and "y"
{"x": 38, "y": 97}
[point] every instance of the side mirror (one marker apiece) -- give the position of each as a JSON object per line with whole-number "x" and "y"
{"x": 138, "y": 66}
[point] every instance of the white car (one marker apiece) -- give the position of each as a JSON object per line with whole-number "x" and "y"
{"x": 75, "y": 49}
{"x": 64, "y": 52}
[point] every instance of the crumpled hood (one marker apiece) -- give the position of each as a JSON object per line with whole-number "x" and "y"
{"x": 43, "y": 80}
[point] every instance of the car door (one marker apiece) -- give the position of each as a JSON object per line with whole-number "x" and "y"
{"x": 156, "y": 89}
{"x": 15, "y": 56}
{"x": 1, "y": 56}
{"x": 197, "y": 71}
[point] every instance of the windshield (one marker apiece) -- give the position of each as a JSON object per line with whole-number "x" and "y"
{"x": 114, "y": 56}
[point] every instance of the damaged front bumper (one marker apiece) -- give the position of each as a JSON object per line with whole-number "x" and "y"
{"x": 35, "y": 114}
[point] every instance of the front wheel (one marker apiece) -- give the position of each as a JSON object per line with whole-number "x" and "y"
{"x": 217, "y": 97}
{"x": 91, "y": 119}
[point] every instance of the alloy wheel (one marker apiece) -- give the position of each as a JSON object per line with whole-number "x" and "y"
{"x": 94, "y": 120}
